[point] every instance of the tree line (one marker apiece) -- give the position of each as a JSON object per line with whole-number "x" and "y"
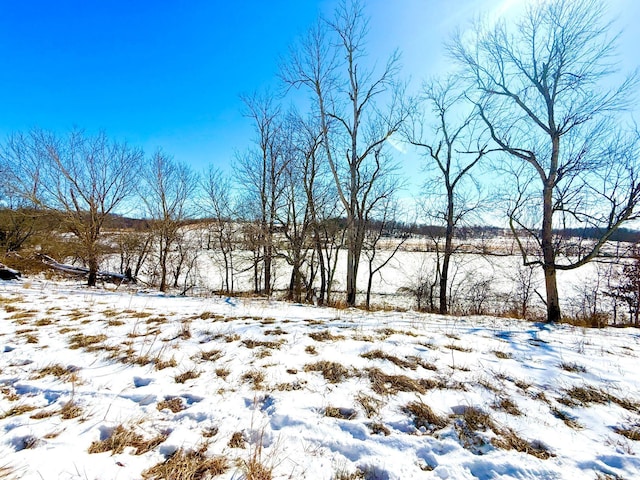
{"x": 535, "y": 106}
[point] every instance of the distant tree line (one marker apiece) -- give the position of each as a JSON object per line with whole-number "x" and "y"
{"x": 533, "y": 104}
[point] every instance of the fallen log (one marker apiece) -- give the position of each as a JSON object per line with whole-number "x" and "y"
{"x": 83, "y": 271}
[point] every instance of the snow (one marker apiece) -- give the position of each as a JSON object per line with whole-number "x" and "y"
{"x": 456, "y": 364}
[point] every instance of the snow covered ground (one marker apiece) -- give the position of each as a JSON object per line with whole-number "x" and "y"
{"x": 99, "y": 384}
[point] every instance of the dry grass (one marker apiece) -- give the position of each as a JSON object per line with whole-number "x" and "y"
{"x": 80, "y": 340}
{"x": 422, "y": 363}
{"x": 172, "y": 403}
{"x": 211, "y": 355}
{"x": 256, "y": 468}
{"x": 384, "y": 384}
{"x": 632, "y": 432}
{"x": 234, "y": 337}
{"x": 325, "y": 336}
{"x": 569, "y": 420}
{"x": 377, "y": 428}
{"x": 121, "y": 438}
{"x": 17, "y": 410}
{"x": 255, "y": 377}
{"x": 222, "y": 372}
{"x": 311, "y": 350}
{"x": 370, "y": 405}
{"x": 188, "y": 375}
{"x": 251, "y": 343}
{"x": 160, "y": 364}
{"x": 55, "y": 369}
{"x": 70, "y": 410}
{"x": 380, "y": 355}
{"x": 333, "y": 372}
{"x": 237, "y": 440}
{"x": 473, "y": 420}
{"x": 467, "y": 425}
{"x": 341, "y": 413}
{"x": 424, "y": 417}
{"x": 502, "y": 355}
{"x": 187, "y": 465}
{"x": 510, "y": 440}
{"x": 7, "y": 472}
{"x": 210, "y": 432}
{"x": 134, "y": 314}
{"x": 507, "y": 405}
{"x": 458, "y": 348}
{"x": 573, "y": 367}
{"x": 584, "y": 396}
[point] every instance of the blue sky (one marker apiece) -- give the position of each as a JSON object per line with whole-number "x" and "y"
{"x": 169, "y": 74}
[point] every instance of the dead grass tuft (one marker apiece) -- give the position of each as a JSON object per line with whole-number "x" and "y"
{"x": 187, "y": 465}
{"x": 573, "y": 367}
{"x": 341, "y": 413}
{"x": 380, "y": 355}
{"x": 211, "y": 355}
{"x": 311, "y": 350}
{"x": 384, "y": 384}
{"x": 237, "y": 440}
{"x": 459, "y": 348}
{"x": 370, "y": 405}
{"x": 160, "y": 364}
{"x": 377, "y": 428}
{"x": 250, "y": 343}
{"x": 172, "y": 403}
{"x": 507, "y": 405}
{"x": 510, "y": 440}
{"x": 325, "y": 336}
{"x": 222, "y": 372}
{"x": 424, "y": 417}
{"x": 121, "y": 438}
{"x": 333, "y": 372}
{"x": 80, "y": 340}
{"x": 584, "y": 396}
{"x": 70, "y": 410}
{"x": 188, "y": 375}
{"x": 59, "y": 371}
{"x": 632, "y": 432}
{"x": 17, "y": 410}
{"x": 568, "y": 419}
{"x": 502, "y": 355}
{"x": 255, "y": 377}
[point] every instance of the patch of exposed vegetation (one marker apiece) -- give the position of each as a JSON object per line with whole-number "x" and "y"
{"x": 121, "y": 438}
{"x": 333, "y": 372}
{"x": 188, "y": 465}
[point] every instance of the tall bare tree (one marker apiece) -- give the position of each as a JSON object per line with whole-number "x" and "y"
{"x": 348, "y": 97}
{"x": 82, "y": 179}
{"x": 542, "y": 85}
{"x": 167, "y": 192}
{"x": 260, "y": 171}
{"x": 217, "y": 206}
{"x": 454, "y": 147}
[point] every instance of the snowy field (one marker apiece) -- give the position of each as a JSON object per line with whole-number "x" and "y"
{"x": 99, "y": 384}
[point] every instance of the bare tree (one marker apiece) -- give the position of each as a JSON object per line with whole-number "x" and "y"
{"x": 82, "y": 179}
{"x": 454, "y": 148}
{"x": 347, "y": 95}
{"x": 167, "y": 192}
{"x": 542, "y": 87}
{"x": 382, "y": 221}
{"x": 260, "y": 171}
{"x": 217, "y": 205}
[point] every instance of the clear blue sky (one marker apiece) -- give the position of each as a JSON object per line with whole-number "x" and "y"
{"x": 168, "y": 73}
